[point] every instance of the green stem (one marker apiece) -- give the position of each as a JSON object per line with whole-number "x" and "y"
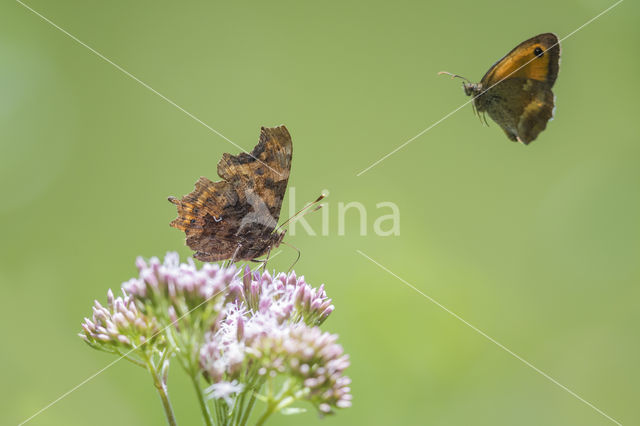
{"x": 247, "y": 411}
{"x": 132, "y": 359}
{"x": 268, "y": 412}
{"x": 162, "y": 391}
{"x": 204, "y": 407}
{"x": 236, "y": 410}
{"x": 223, "y": 409}
{"x": 272, "y": 404}
{"x": 284, "y": 398}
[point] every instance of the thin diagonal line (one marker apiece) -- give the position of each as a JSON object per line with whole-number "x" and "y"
{"x": 97, "y": 373}
{"x": 491, "y": 339}
{"x": 79, "y": 385}
{"x": 64, "y": 395}
{"x": 133, "y": 77}
{"x": 398, "y": 148}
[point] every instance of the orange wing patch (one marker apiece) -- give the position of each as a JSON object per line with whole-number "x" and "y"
{"x": 536, "y": 58}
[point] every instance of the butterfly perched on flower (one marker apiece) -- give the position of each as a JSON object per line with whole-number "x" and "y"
{"x": 516, "y": 91}
{"x": 236, "y": 217}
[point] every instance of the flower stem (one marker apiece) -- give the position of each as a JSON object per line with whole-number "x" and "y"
{"x": 247, "y": 411}
{"x": 162, "y": 391}
{"x": 284, "y": 398}
{"x": 268, "y": 412}
{"x": 206, "y": 413}
{"x": 238, "y": 409}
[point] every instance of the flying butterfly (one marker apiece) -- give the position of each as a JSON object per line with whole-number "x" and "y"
{"x": 516, "y": 91}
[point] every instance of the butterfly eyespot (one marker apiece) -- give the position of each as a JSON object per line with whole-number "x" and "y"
{"x": 192, "y": 221}
{"x": 538, "y": 52}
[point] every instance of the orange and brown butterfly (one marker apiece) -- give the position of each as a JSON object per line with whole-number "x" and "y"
{"x": 236, "y": 218}
{"x": 516, "y": 91}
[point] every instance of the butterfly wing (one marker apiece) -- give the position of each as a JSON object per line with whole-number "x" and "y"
{"x": 516, "y": 91}
{"x": 524, "y": 62}
{"x": 522, "y": 107}
{"x": 265, "y": 171}
{"x": 200, "y": 216}
{"x": 236, "y": 217}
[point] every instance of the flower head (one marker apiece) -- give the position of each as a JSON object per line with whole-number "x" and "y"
{"x": 287, "y": 296}
{"x": 237, "y": 330}
{"x": 181, "y": 294}
{"x": 118, "y": 325}
{"x": 259, "y": 342}
{"x": 176, "y": 280}
{"x": 312, "y": 356}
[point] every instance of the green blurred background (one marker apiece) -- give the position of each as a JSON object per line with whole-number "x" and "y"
{"x": 537, "y": 246}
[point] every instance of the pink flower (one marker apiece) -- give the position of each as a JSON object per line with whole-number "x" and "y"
{"x": 118, "y": 325}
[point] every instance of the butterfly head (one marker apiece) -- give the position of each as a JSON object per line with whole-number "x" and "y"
{"x": 278, "y": 236}
{"x": 472, "y": 89}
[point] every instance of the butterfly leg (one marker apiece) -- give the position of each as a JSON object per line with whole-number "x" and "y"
{"x": 484, "y": 117}
{"x": 235, "y": 253}
{"x": 475, "y": 111}
{"x": 264, "y": 262}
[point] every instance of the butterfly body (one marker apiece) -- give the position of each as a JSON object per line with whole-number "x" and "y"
{"x": 236, "y": 218}
{"x": 516, "y": 91}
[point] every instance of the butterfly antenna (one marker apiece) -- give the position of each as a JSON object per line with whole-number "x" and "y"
{"x": 297, "y": 258}
{"x": 304, "y": 210}
{"x": 454, "y": 76}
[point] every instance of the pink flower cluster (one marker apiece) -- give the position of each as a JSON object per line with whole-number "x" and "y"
{"x": 270, "y": 327}
{"x": 118, "y": 325}
{"x": 241, "y": 328}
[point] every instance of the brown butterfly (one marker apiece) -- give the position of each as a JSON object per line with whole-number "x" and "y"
{"x": 236, "y": 218}
{"x": 516, "y": 91}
